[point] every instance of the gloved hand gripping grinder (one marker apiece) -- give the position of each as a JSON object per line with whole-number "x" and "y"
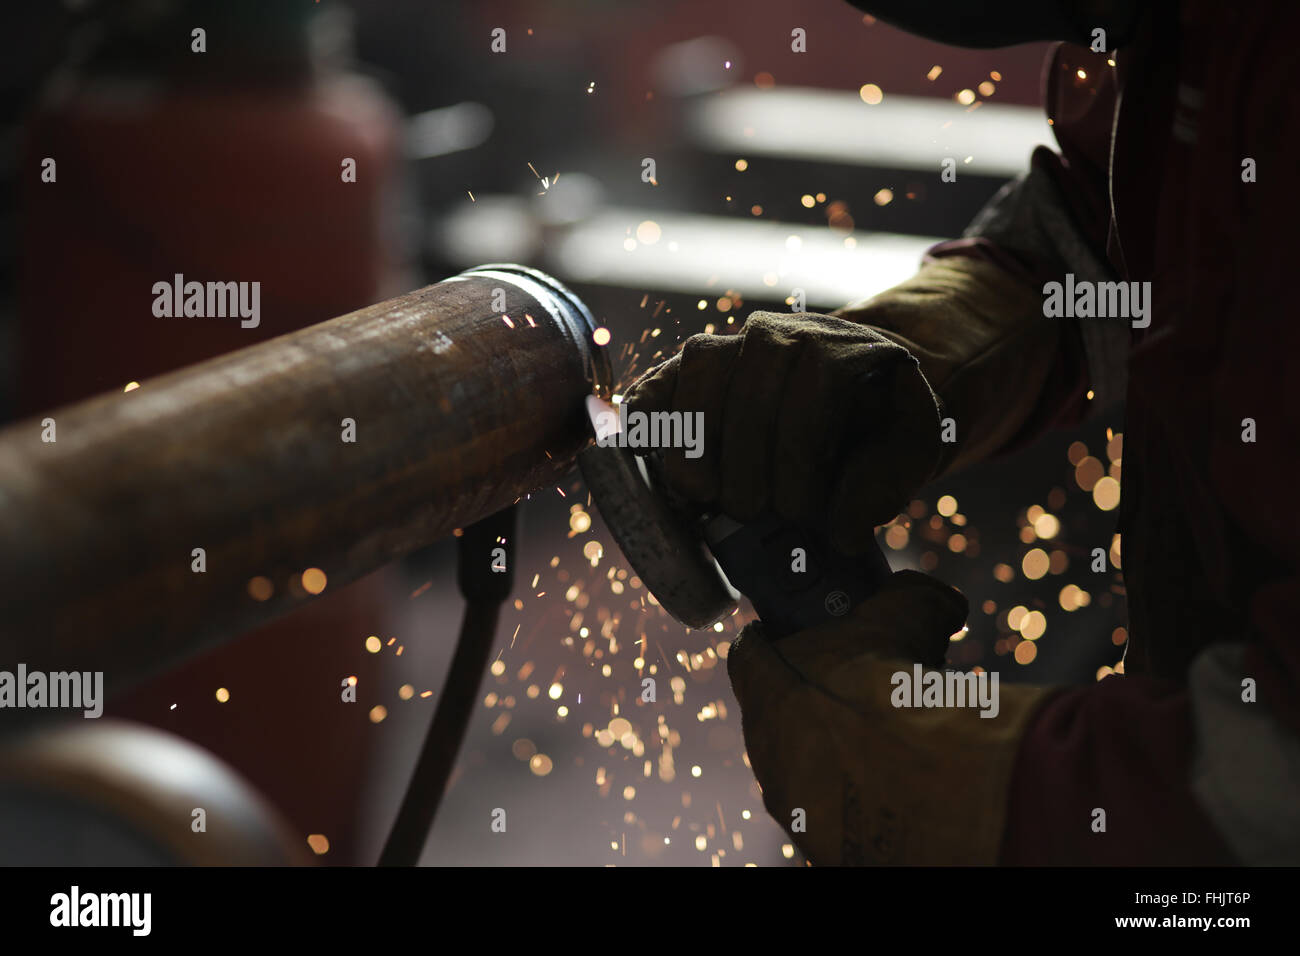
{"x": 694, "y": 561}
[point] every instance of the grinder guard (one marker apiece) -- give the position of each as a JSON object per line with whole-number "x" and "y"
{"x": 690, "y": 560}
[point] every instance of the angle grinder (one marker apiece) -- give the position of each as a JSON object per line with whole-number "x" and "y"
{"x": 697, "y": 561}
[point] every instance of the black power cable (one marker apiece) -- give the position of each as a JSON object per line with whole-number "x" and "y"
{"x": 485, "y": 588}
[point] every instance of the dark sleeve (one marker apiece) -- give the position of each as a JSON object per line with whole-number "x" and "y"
{"x": 1206, "y": 769}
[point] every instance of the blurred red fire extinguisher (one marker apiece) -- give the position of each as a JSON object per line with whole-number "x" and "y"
{"x": 219, "y": 143}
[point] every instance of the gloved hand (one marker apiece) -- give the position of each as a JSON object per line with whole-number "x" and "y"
{"x": 878, "y": 783}
{"x": 800, "y": 411}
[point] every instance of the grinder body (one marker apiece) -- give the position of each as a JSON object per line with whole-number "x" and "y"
{"x": 792, "y": 574}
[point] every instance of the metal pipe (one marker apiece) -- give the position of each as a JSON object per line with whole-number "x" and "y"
{"x": 463, "y": 397}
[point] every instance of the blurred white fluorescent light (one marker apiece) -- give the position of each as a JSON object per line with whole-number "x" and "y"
{"x": 447, "y": 130}
{"x": 759, "y": 259}
{"x": 904, "y": 132}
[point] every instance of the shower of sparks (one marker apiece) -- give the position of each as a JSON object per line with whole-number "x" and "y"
{"x": 595, "y": 633}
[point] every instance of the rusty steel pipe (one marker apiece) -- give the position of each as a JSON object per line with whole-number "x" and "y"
{"x": 466, "y": 395}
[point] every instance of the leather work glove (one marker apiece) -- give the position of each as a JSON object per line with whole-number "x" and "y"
{"x": 878, "y": 784}
{"x": 837, "y": 418}
{"x": 979, "y": 335}
{"x": 799, "y": 410}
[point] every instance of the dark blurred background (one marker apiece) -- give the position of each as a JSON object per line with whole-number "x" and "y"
{"x": 773, "y": 171}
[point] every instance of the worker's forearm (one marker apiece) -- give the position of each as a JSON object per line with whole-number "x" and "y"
{"x": 983, "y": 344}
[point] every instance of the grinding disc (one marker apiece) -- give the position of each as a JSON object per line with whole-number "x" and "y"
{"x": 666, "y": 550}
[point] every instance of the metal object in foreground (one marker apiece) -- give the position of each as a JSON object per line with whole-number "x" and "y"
{"x": 113, "y": 793}
{"x": 462, "y": 397}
